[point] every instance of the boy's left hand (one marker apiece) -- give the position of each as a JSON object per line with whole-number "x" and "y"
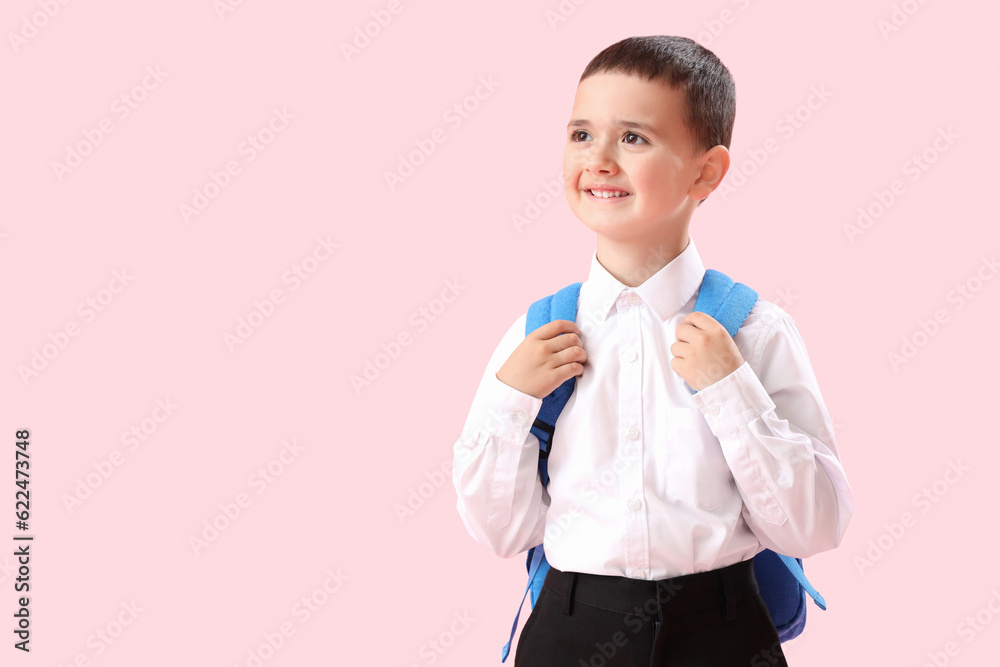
{"x": 704, "y": 352}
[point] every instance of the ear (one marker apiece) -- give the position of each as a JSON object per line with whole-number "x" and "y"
{"x": 714, "y": 165}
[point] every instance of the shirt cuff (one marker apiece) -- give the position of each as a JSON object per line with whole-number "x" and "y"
{"x": 733, "y": 401}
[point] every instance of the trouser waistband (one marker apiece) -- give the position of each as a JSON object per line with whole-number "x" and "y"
{"x": 688, "y": 593}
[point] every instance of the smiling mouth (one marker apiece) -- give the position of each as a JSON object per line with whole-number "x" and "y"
{"x": 605, "y": 194}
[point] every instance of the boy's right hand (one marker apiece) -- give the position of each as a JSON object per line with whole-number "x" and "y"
{"x": 547, "y": 357}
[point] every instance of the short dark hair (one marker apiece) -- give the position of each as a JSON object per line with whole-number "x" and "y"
{"x": 683, "y": 63}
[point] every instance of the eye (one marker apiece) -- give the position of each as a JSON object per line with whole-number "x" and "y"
{"x": 639, "y": 139}
{"x": 633, "y": 134}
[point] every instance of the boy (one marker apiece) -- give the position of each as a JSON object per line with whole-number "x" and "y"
{"x": 658, "y": 498}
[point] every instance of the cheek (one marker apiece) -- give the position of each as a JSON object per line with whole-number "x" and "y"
{"x": 570, "y": 160}
{"x": 570, "y": 173}
{"x": 657, "y": 179}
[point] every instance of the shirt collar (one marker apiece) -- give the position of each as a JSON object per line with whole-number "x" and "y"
{"x": 666, "y": 291}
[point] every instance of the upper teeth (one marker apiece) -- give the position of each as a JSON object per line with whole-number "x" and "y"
{"x": 607, "y": 193}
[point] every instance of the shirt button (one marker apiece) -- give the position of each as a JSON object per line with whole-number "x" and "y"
{"x": 632, "y": 433}
{"x": 633, "y": 355}
{"x": 633, "y": 297}
{"x": 638, "y": 574}
{"x": 713, "y": 410}
{"x": 520, "y": 417}
{"x": 634, "y": 504}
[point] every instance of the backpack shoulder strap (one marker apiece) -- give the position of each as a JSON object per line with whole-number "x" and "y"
{"x": 559, "y": 306}
{"x": 794, "y": 566}
{"x": 727, "y": 302}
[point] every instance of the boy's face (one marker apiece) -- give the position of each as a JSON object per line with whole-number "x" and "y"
{"x": 629, "y": 133}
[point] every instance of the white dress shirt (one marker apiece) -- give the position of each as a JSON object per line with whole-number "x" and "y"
{"x": 648, "y": 480}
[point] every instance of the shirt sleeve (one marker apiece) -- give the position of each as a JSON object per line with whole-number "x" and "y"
{"x": 778, "y": 440}
{"x": 495, "y": 471}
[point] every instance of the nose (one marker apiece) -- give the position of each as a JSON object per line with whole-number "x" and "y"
{"x": 600, "y": 158}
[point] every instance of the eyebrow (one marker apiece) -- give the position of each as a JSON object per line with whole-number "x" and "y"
{"x": 616, "y": 122}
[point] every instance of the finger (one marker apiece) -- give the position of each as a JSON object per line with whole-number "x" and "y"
{"x": 565, "y": 341}
{"x": 571, "y": 356}
{"x": 555, "y": 328}
{"x": 705, "y": 322}
{"x": 698, "y": 319}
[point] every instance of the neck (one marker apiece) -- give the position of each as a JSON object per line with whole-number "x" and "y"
{"x": 632, "y": 264}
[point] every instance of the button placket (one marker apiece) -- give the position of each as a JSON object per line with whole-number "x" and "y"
{"x": 631, "y": 434}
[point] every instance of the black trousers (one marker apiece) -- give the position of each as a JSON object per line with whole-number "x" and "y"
{"x": 707, "y": 619}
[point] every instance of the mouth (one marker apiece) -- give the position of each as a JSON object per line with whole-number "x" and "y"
{"x": 607, "y": 195}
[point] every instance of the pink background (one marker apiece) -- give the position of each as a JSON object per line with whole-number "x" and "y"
{"x": 332, "y": 505}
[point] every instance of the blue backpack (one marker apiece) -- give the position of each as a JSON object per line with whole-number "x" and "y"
{"x": 782, "y": 581}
